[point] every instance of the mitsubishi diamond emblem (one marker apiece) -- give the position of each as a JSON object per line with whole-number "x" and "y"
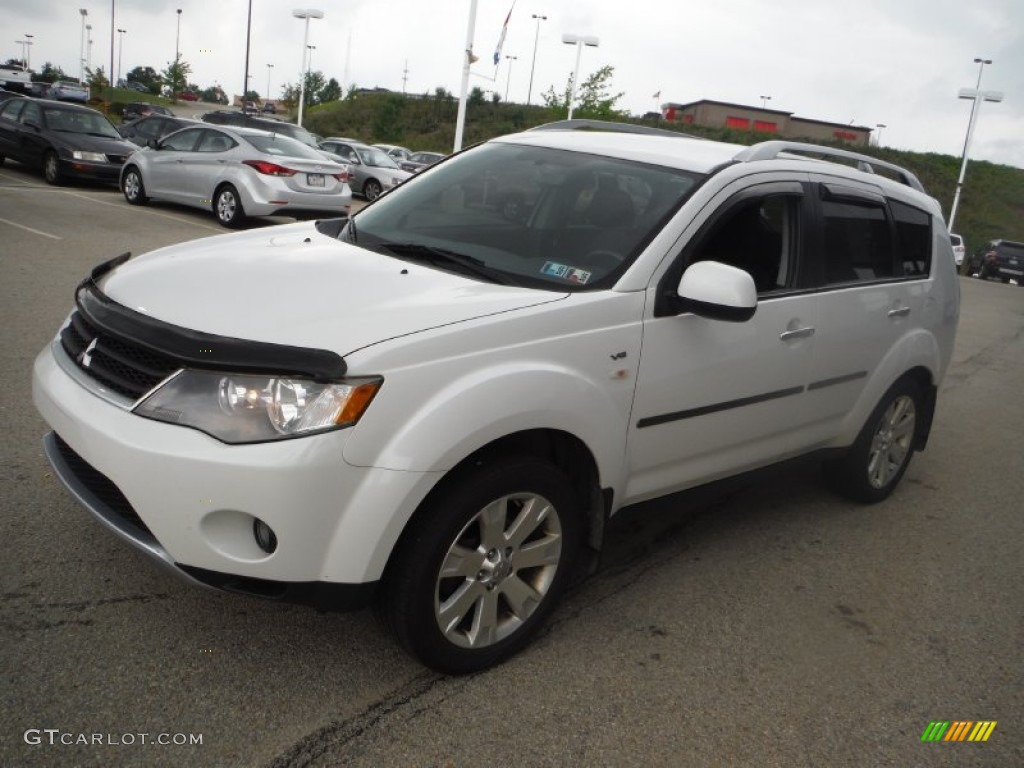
{"x": 85, "y": 358}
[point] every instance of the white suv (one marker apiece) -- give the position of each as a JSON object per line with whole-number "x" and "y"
{"x": 439, "y": 402}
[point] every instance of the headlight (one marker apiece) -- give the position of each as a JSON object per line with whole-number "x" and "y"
{"x": 92, "y": 157}
{"x": 248, "y": 409}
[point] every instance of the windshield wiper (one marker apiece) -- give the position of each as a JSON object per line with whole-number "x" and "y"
{"x": 433, "y": 255}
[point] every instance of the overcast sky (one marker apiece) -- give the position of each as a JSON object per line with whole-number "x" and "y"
{"x": 897, "y": 62}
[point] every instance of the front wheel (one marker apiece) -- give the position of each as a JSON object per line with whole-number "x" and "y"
{"x": 132, "y": 187}
{"x": 228, "y": 207}
{"x": 51, "y": 168}
{"x": 875, "y": 463}
{"x": 371, "y": 189}
{"x": 484, "y": 565}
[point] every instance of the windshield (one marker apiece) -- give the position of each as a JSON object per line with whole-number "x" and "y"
{"x": 544, "y": 217}
{"x": 375, "y": 157}
{"x": 79, "y": 121}
{"x": 283, "y": 146}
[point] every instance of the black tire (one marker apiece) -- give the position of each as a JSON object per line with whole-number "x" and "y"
{"x": 227, "y": 207}
{"x": 132, "y": 187}
{"x": 371, "y": 189}
{"x": 485, "y": 577}
{"x": 51, "y": 169}
{"x": 874, "y": 465}
{"x": 981, "y": 272}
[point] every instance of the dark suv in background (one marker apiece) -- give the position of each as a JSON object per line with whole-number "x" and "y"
{"x": 999, "y": 258}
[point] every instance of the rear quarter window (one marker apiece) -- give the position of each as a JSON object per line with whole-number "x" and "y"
{"x": 913, "y": 238}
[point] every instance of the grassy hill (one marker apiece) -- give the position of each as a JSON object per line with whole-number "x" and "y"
{"x": 991, "y": 204}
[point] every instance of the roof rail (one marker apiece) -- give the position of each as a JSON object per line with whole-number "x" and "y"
{"x": 769, "y": 150}
{"x": 610, "y": 127}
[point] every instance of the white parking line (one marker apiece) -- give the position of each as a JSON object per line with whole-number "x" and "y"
{"x": 121, "y": 206}
{"x": 29, "y": 229}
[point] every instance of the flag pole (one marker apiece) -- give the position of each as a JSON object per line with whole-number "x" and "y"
{"x": 468, "y": 59}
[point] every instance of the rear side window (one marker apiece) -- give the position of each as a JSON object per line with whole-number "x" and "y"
{"x": 857, "y": 241}
{"x": 914, "y": 238}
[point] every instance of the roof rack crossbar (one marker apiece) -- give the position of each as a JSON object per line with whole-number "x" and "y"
{"x": 769, "y": 150}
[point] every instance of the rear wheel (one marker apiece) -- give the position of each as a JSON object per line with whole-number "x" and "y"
{"x": 228, "y": 207}
{"x": 875, "y": 463}
{"x": 371, "y": 189}
{"x": 51, "y": 168}
{"x": 484, "y": 565}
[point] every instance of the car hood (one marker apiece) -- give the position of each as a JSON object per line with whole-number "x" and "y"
{"x": 292, "y": 285}
{"x": 87, "y": 143}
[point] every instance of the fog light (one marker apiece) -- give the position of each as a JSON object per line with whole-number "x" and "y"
{"x": 265, "y": 538}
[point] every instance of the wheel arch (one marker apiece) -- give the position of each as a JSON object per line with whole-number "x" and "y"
{"x": 563, "y": 450}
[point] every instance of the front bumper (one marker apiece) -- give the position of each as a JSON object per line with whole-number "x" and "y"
{"x": 189, "y": 501}
{"x": 82, "y": 169}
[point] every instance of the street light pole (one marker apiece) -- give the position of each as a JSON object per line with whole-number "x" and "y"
{"x": 579, "y": 42}
{"x": 536, "y": 35}
{"x": 468, "y": 59}
{"x": 307, "y": 14}
{"x": 177, "y": 39}
{"x": 269, "y": 67}
{"x": 81, "y": 54}
{"x": 978, "y": 96}
{"x": 764, "y": 101}
{"x": 88, "y": 46}
{"x": 28, "y": 54}
{"x": 120, "y": 51}
{"x": 24, "y": 56}
{"x": 878, "y": 139}
{"x": 508, "y": 79}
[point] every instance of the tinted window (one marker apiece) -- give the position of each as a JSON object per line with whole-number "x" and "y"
{"x": 759, "y": 236}
{"x": 79, "y": 121}
{"x": 914, "y": 238}
{"x": 11, "y": 108}
{"x": 857, "y": 242}
{"x": 32, "y": 114}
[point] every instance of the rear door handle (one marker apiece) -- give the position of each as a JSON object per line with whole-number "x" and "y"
{"x": 901, "y": 312}
{"x": 796, "y": 333}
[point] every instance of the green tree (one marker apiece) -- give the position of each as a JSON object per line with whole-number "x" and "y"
{"x": 146, "y": 76}
{"x": 476, "y": 96}
{"x": 252, "y": 96}
{"x": 330, "y": 92}
{"x": 96, "y": 79}
{"x": 51, "y": 74}
{"x": 314, "y": 85}
{"x": 175, "y": 77}
{"x": 594, "y": 99}
{"x": 213, "y": 95}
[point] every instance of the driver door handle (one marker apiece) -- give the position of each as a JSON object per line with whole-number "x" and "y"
{"x": 797, "y": 333}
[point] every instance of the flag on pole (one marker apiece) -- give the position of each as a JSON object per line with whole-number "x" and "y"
{"x": 501, "y": 37}
{"x": 657, "y": 95}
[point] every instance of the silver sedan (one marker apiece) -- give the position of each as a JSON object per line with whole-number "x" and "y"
{"x": 236, "y": 173}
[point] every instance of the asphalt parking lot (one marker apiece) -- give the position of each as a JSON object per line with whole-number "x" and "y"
{"x": 779, "y": 626}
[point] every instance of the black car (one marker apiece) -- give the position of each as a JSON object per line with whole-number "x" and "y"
{"x": 136, "y": 109}
{"x": 5, "y": 95}
{"x": 417, "y": 161}
{"x": 62, "y": 139}
{"x": 153, "y": 127}
{"x": 241, "y": 119}
{"x": 999, "y": 258}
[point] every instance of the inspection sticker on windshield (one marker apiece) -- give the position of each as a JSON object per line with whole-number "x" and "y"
{"x": 572, "y": 274}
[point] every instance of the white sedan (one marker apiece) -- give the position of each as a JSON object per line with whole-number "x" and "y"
{"x": 236, "y": 173}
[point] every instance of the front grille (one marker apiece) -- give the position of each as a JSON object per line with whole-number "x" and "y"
{"x": 123, "y": 366}
{"x": 101, "y": 486}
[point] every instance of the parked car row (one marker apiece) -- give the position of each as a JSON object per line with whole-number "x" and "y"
{"x": 235, "y": 172}
{"x": 999, "y": 258}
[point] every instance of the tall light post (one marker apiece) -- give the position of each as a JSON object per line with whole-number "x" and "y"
{"x": 177, "y": 39}
{"x": 309, "y": 58}
{"x": 120, "y": 51}
{"x": 307, "y": 14}
{"x": 878, "y": 139}
{"x": 508, "y": 79}
{"x": 81, "y": 54}
{"x": 978, "y": 96}
{"x": 28, "y": 53}
{"x": 579, "y": 41}
{"x": 24, "y": 55}
{"x": 764, "y": 101}
{"x": 269, "y": 67}
{"x": 533, "y": 66}
{"x": 88, "y": 46}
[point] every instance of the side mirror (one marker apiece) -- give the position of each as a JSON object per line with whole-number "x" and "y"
{"x": 152, "y": 144}
{"x": 718, "y": 292}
